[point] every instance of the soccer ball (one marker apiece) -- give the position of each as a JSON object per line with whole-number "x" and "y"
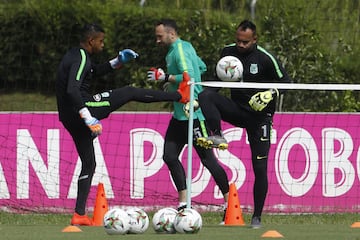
{"x": 229, "y": 69}
{"x": 188, "y": 221}
{"x": 163, "y": 220}
{"x": 116, "y": 221}
{"x": 139, "y": 220}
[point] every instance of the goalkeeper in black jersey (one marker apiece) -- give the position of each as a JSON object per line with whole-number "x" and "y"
{"x": 252, "y": 109}
{"x": 80, "y": 111}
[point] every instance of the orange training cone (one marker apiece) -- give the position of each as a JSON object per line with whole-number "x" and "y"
{"x": 71, "y": 229}
{"x": 356, "y": 225}
{"x": 233, "y": 215}
{"x": 272, "y": 234}
{"x": 101, "y": 206}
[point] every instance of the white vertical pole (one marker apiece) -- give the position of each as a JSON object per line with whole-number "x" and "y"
{"x": 252, "y": 9}
{"x": 190, "y": 145}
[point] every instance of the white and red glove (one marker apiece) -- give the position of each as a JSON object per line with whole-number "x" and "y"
{"x": 93, "y": 124}
{"x": 157, "y": 74}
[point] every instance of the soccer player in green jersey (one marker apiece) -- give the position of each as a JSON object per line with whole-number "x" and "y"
{"x": 182, "y": 57}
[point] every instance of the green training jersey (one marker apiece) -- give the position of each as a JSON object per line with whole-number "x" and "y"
{"x": 182, "y": 57}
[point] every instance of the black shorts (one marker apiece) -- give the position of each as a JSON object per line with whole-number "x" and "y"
{"x": 179, "y": 130}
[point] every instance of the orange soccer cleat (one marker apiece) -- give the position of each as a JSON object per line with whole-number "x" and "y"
{"x": 184, "y": 88}
{"x": 81, "y": 220}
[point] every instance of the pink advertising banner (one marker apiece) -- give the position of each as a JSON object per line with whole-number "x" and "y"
{"x": 314, "y": 163}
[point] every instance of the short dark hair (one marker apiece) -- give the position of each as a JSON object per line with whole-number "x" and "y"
{"x": 170, "y": 23}
{"x": 88, "y": 30}
{"x": 247, "y": 24}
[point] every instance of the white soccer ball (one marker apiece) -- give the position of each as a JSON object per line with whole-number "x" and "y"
{"x": 139, "y": 220}
{"x": 229, "y": 69}
{"x": 116, "y": 221}
{"x": 163, "y": 220}
{"x": 188, "y": 220}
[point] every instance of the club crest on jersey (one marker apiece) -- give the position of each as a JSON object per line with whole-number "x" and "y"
{"x": 254, "y": 68}
{"x": 97, "y": 97}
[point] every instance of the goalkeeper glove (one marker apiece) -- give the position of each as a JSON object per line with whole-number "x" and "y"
{"x": 93, "y": 124}
{"x": 261, "y": 99}
{"x": 124, "y": 56}
{"x": 157, "y": 74}
{"x": 186, "y": 108}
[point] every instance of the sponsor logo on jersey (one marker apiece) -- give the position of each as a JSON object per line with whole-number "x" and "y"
{"x": 105, "y": 94}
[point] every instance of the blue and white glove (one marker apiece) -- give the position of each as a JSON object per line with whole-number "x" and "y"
{"x": 93, "y": 124}
{"x": 157, "y": 74}
{"x": 261, "y": 99}
{"x": 127, "y": 55}
{"x": 124, "y": 56}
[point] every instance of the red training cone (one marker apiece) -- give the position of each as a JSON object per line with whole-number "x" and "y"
{"x": 101, "y": 206}
{"x": 233, "y": 215}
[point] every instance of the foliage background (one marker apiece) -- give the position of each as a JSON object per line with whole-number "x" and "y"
{"x": 317, "y": 41}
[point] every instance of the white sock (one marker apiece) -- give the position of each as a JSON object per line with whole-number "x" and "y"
{"x": 181, "y": 204}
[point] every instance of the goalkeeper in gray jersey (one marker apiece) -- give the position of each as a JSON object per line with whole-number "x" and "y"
{"x": 252, "y": 109}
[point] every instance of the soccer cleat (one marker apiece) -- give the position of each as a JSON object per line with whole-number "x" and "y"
{"x": 202, "y": 142}
{"x": 186, "y": 108}
{"x": 81, "y": 220}
{"x": 215, "y": 141}
{"x": 184, "y": 88}
{"x": 255, "y": 222}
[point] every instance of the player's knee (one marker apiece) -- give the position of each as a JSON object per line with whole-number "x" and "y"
{"x": 260, "y": 165}
{"x": 204, "y": 95}
{"x": 170, "y": 160}
{"x": 210, "y": 164}
{"x": 89, "y": 168}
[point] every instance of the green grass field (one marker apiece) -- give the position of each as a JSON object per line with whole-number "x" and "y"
{"x": 313, "y": 226}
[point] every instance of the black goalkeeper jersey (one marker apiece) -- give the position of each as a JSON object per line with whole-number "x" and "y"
{"x": 259, "y": 66}
{"x": 74, "y": 76}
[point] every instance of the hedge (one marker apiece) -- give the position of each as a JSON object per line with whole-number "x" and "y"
{"x": 36, "y": 34}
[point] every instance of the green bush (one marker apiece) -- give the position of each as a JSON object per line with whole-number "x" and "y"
{"x": 36, "y": 34}
{"x": 39, "y": 33}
